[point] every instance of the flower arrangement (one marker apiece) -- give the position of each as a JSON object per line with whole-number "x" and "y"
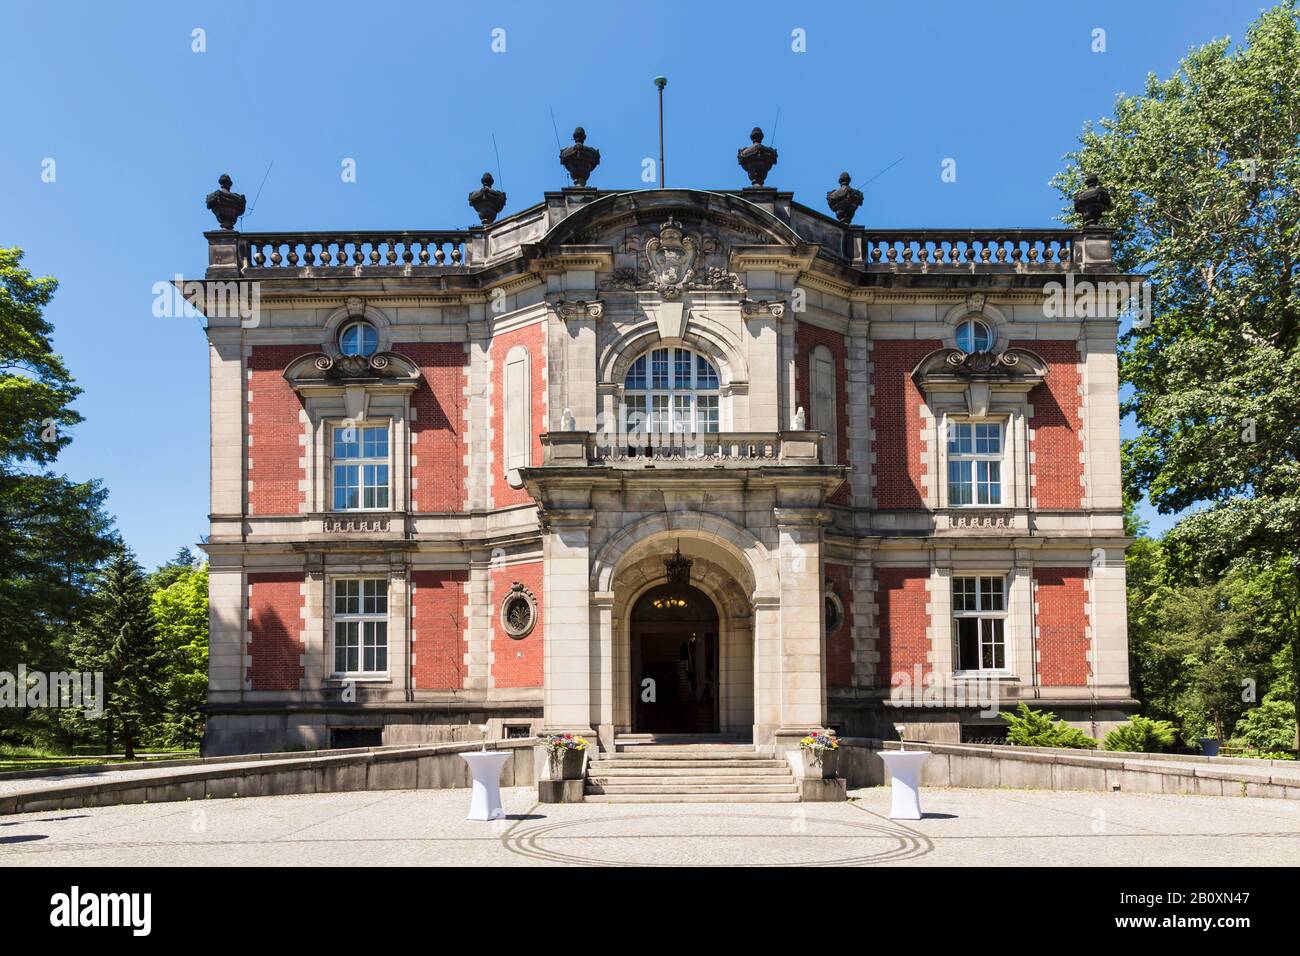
{"x": 557, "y": 745}
{"x": 820, "y": 741}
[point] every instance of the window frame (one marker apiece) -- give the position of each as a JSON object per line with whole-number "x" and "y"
{"x": 361, "y": 618}
{"x": 365, "y": 327}
{"x": 660, "y": 395}
{"x": 975, "y": 458}
{"x": 981, "y": 614}
{"x": 970, "y": 324}
{"x": 361, "y": 462}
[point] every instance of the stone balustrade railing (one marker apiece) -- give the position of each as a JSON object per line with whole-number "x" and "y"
{"x": 371, "y": 252}
{"x": 966, "y": 249}
{"x": 703, "y": 449}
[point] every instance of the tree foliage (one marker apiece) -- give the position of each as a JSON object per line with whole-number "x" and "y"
{"x": 1141, "y": 735}
{"x": 1040, "y": 728}
{"x": 1203, "y": 167}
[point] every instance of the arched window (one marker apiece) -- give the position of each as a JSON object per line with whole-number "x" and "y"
{"x": 974, "y": 336}
{"x": 671, "y": 390}
{"x": 822, "y": 417}
{"x": 358, "y": 338}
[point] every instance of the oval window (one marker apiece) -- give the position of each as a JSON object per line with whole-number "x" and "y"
{"x": 359, "y": 338}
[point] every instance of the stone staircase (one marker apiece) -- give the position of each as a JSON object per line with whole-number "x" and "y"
{"x": 656, "y": 769}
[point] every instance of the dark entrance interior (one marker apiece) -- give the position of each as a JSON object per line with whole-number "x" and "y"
{"x": 675, "y": 648}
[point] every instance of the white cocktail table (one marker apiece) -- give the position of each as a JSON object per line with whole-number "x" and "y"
{"x": 904, "y": 768}
{"x": 485, "y": 769}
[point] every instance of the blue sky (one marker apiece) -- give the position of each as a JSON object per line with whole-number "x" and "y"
{"x": 139, "y": 127}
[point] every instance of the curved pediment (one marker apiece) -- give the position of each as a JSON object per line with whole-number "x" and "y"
{"x": 953, "y": 366}
{"x": 382, "y": 368}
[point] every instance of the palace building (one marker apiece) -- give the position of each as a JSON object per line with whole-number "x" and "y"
{"x": 660, "y": 461}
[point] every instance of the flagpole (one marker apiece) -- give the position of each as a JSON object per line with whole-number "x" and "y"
{"x": 661, "y": 82}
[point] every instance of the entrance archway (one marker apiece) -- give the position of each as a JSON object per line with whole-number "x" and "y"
{"x": 674, "y": 657}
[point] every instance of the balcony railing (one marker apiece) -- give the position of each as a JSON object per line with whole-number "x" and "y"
{"x": 335, "y": 253}
{"x": 965, "y": 250}
{"x": 678, "y": 449}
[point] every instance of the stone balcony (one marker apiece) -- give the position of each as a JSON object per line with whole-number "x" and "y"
{"x": 701, "y": 450}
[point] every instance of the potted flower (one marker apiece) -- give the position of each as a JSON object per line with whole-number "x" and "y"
{"x": 819, "y": 752}
{"x": 564, "y": 755}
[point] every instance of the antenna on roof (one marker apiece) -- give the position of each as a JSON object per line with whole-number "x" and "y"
{"x": 500, "y": 178}
{"x": 253, "y": 205}
{"x": 775, "y": 123}
{"x": 661, "y": 82}
{"x": 555, "y": 129}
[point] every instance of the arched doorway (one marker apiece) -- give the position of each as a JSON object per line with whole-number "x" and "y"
{"x": 674, "y": 645}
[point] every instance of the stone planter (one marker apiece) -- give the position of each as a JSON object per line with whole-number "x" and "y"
{"x": 565, "y": 766}
{"x": 809, "y": 764}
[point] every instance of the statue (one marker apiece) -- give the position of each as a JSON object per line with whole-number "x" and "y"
{"x": 800, "y": 422}
{"x": 567, "y": 422}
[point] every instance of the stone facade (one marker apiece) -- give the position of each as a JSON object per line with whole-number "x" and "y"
{"x": 491, "y": 572}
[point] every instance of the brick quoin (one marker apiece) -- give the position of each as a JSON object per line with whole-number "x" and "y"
{"x": 1058, "y": 430}
{"x": 808, "y": 337}
{"x": 533, "y": 338}
{"x": 897, "y": 424}
{"x": 275, "y": 620}
{"x": 839, "y": 646}
{"x": 274, "y": 456}
{"x": 439, "y": 623}
{"x": 1062, "y": 619}
{"x": 901, "y": 597}
{"x": 517, "y": 663}
{"x": 439, "y": 403}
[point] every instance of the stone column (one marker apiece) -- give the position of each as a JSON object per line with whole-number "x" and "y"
{"x": 803, "y": 634}
{"x": 567, "y": 647}
{"x": 602, "y": 666}
{"x": 767, "y": 667}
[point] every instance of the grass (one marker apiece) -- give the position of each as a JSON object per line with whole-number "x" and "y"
{"x": 24, "y": 757}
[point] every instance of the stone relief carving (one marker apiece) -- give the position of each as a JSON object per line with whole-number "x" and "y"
{"x": 671, "y": 261}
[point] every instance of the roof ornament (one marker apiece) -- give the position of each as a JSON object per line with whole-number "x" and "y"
{"x": 1092, "y": 201}
{"x": 227, "y": 206}
{"x": 579, "y": 159}
{"x": 487, "y": 202}
{"x": 844, "y": 202}
{"x": 756, "y": 159}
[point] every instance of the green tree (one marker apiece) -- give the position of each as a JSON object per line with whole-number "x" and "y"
{"x": 53, "y": 531}
{"x": 1202, "y": 168}
{"x": 118, "y": 637}
{"x": 181, "y": 613}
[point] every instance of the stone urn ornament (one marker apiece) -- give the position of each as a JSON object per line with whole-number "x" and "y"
{"x": 844, "y": 202}
{"x": 756, "y": 159}
{"x": 227, "y": 206}
{"x": 579, "y": 159}
{"x": 487, "y": 202}
{"x": 1092, "y": 201}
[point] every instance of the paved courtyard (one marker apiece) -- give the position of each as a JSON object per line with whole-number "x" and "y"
{"x": 427, "y": 827}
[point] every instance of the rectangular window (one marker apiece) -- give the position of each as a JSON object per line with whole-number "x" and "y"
{"x": 658, "y": 414}
{"x": 360, "y": 626}
{"x": 682, "y": 413}
{"x": 360, "y": 459}
{"x": 681, "y": 368}
{"x": 636, "y": 421}
{"x": 979, "y": 619}
{"x": 974, "y": 463}
{"x": 706, "y": 413}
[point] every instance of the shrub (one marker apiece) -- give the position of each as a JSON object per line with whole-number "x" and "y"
{"x": 1040, "y": 728}
{"x": 1270, "y": 726}
{"x": 1141, "y": 735}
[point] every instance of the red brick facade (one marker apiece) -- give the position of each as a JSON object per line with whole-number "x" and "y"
{"x": 807, "y": 338}
{"x": 275, "y": 604}
{"x": 438, "y": 408}
{"x": 1057, "y": 427}
{"x": 839, "y": 646}
{"x": 1062, "y": 618}
{"x": 274, "y": 454}
{"x": 517, "y": 663}
{"x": 438, "y": 608}
{"x": 533, "y": 338}
{"x": 896, "y": 424}
{"x": 901, "y": 599}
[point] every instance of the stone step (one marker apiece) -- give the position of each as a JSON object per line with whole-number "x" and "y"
{"x": 598, "y": 765}
{"x": 678, "y": 739}
{"x": 691, "y": 798}
{"x": 672, "y": 770}
{"x": 727, "y": 788}
{"x": 722, "y": 780}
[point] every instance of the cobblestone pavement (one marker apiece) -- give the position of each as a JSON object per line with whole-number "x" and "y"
{"x": 427, "y": 827}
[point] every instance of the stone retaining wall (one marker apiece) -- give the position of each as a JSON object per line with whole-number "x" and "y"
{"x": 1038, "y": 768}
{"x": 432, "y": 767}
